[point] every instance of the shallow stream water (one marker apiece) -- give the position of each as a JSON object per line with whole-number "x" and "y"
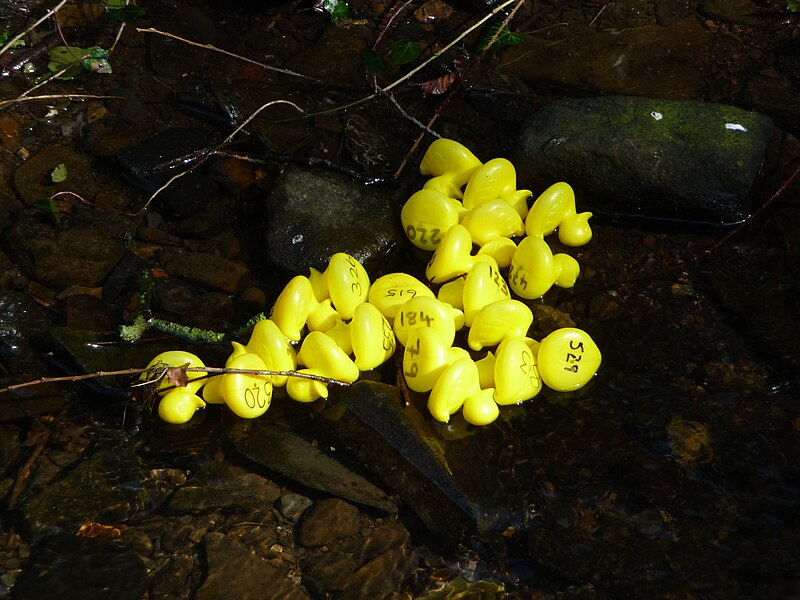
{"x": 673, "y": 474}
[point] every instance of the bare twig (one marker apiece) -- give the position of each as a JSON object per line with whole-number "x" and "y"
{"x": 414, "y": 120}
{"x": 224, "y": 142}
{"x": 401, "y": 167}
{"x": 418, "y": 68}
{"x": 46, "y": 16}
{"x": 25, "y": 471}
{"x": 380, "y": 91}
{"x": 226, "y": 53}
{"x": 160, "y": 373}
{"x": 597, "y": 16}
{"x": 773, "y": 197}
{"x": 385, "y": 28}
{"x": 82, "y": 200}
{"x": 5, "y": 103}
{"x": 500, "y": 29}
{"x": 458, "y": 38}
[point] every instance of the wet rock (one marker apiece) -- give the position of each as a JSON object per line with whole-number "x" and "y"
{"x": 216, "y": 105}
{"x": 9, "y": 446}
{"x": 213, "y": 218}
{"x": 76, "y": 252}
{"x": 68, "y": 566}
{"x": 292, "y": 505}
{"x": 77, "y": 351}
{"x": 220, "y": 485}
{"x": 125, "y": 279}
{"x": 144, "y": 165}
{"x": 379, "y": 578}
{"x": 30, "y": 402}
{"x": 787, "y": 58}
{"x": 361, "y": 567}
{"x": 9, "y": 209}
{"x": 314, "y": 214}
{"x": 728, "y": 11}
{"x": 689, "y": 442}
{"x": 440, "y": 482}
{"x": 116, "y": 492}
{"x": 11, "y": 278}
{"x": 180, "y": 300}
{"x": 89, "y": 312}
{"x": 690, "y": 162}
{"x": 648, "y": 60}
{"x": 338, "y": 45}
{"x": 177, "y": 578}
{"x": 34, "y": 183}
{"x": 202, "y": 267}
{"x": 327, "y": 521}
{"x": 21, "y": 320}
{"x": 293, "y": 457}
{"x": 235, "y": 573}
{"x": 175, "y": 58}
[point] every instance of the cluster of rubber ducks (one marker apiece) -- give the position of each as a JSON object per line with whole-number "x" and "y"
{"x": 344, "y": 324}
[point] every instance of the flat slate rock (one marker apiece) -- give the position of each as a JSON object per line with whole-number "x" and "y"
{"x": 235, "y": 573}
{"x": 298, "y": 460}
{"x": 447, "y": 484}
{"x": 648, "y": 160}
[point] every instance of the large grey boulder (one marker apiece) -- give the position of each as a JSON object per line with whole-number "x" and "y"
{"x": 656, "y": 159}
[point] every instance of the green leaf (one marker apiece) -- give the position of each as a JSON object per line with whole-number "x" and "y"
{"x": 793, "y": 5}
{"x": 505, "y": 39}
{"x": 118, "y": 10}
{"x": 373, "y": 62}
{"x": 338, "y": 10}
{"x": 59, "y": 174}
{"x": 4, "y": 38}
{"x": 75, "y": 60}
{"x": 48, "y": 206}
{"x": 404, "y": 52}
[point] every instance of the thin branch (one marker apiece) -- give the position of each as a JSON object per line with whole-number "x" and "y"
{"x": 415, "y": 70}
{"x": 597, "y": 16}
{"x": 161, "y": 373}
{"x": 433, "y": 57}
{"x": 385, "y": 28}
{"x": 502, "y": 27}
{"x": 5, "y": 103}
{"x": 224, "y": 142}
{"x": 46, "y": 16}
{"x": 26, "y": 469}
{"x": 384, "y": 90}
{"x": 226, "y": 53}
{"x": 414, "y": 120}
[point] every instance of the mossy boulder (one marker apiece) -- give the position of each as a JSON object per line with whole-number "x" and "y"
{"x": 685, "y": 161}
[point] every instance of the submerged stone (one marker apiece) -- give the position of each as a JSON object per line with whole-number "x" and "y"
{"x": 445, "y": 483}
{"x": 69, "y": 566}
{"x": 147, "y": 166}
{"x": 233, "y": 572}
{"x": 327, "y": 521}
{"x": 76, "y": 252}
{"x": 314, "y": 214}
{"x": 220, "y": 485}
{"x": 106, "y": 487}
{"x": 368, "y": 567}
{"x": 296, "y": 459}
{"x": 645, "y": 159}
